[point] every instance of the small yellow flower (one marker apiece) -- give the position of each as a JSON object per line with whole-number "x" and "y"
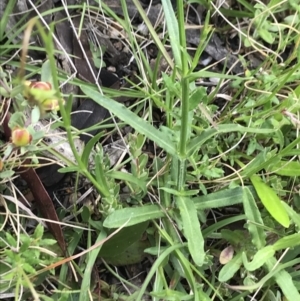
{"x": 27, "y": 83}
{"x": 20, "y": 137}
{"x": 50, "y": 105}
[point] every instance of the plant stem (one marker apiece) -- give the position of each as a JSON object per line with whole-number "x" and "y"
{"x": 66, "y": 119}
{"x": 184, "y": 98}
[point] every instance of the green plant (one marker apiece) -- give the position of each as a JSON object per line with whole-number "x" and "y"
{"x": 183, "y": 171}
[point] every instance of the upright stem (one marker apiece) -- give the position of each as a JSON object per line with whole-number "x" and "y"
{"x": 184, "y": 98}
{"x": 66, "y": 119}
{"x": 184, "y": 117}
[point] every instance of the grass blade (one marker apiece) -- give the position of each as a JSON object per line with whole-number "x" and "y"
{"x": 158, "y": 262}
{"x": 191, "y": 228}
{"x": 196, "y": 143}
{"x": 271, "y": 201}
{"x": 153, "y": 33}
{"x": 289, "y": 241}
{"x": 295, "y": 217}
{"x": 86, "y": 281}
{"x": 222, "y": 198}
{"x": 134, "y": 215}
{"x": 229, "y": 269}
{"x": 287, "y": 168}
{"x": 259, "y": 258}
{"x": 139, "y": 124}
{"x": 5, "y": 17}
{"x": 173, "y": 31}
{"x": 284, "y": 281}
{"x": 253, "y": 216}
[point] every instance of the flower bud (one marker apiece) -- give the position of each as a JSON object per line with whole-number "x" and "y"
{"x": 20, "y": 137}
{"x": 45, "y": 86}
{"x": 35, "y": 91}
{"x": 51, "y": 105}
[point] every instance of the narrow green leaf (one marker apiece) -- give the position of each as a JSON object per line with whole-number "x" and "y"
{"x": 38, "y": 232}
{"x": 10, "y": 239}
{"x": 100, "y": 175}
{"x": 139, "y": 124}
{"x": 46, "y": 72}
{"x": 271, "y": 201}
{"x": 191, "y": 229}
{"x": 229, "y": 269}
{"x": 206, "y": 74}
{"x": 152, "y": 31}
{"x": 197, "y": 142}
{"x": 222, "y": 198}
{"x": 86, "y": 281}
{"x": 266, "y": 35}
{"x": 68, "y": 107}
{"x": 172, "y": 295}
{"x": 157, "y": 264}
{"x": 173, "y": 31}
{"x": 284, "y": 281}
{"x": 282, "y": 278}
{"x": 76, "y": 235}
{"x": 128, "y": 177}
{"x": 88, "y": 148}
{"x": 287, "y": 168}
{"x": 259, "y": 259}
{"x": 293, "y": 214}
{"x": 28, "y": 268}
{"x": 254, "y": 218}
{"x": 198, "y": 96}
{"x": 180, "y": 193}
{"x": 5, "y": 17}
{"x": 292, "y": 147}
{"x": 69, "y": 169}
{"x": 258, "y": 163}
{"x": 215, "y": 227}
{"x": 289, "y": 241}
{"x": 134, "y": 215}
